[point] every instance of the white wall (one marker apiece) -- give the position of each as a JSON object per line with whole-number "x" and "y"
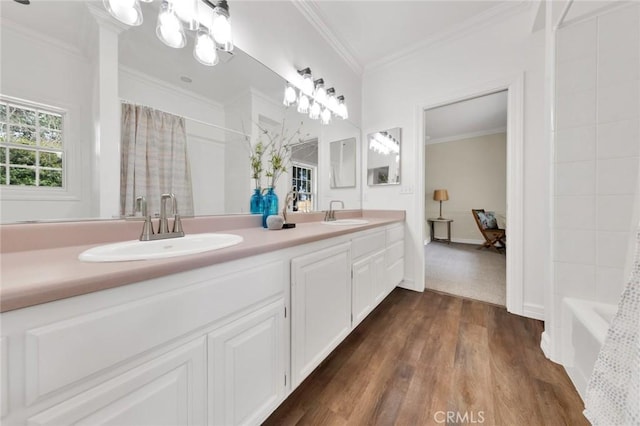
{"x": 474, "y": 172}
{"x": 393, "y": 93}
{"x": 597, "y": 149}
{"x": 27, "y": 63}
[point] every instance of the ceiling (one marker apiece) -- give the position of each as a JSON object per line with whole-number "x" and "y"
{"x": 474, "y": 117}
{"x": 368, "y": 32}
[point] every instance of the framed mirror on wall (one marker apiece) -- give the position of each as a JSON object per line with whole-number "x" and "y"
{"x": 342, "y": 158}
{"x": 383, "y": 159}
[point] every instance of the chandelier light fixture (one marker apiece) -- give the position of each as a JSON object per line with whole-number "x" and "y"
{"x": 178, "y": 16}
{"x": 314, "y": 99}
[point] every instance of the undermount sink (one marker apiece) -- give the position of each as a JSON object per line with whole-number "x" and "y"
{"x": 346, "y": 222}
{"x": 159, "y": 249}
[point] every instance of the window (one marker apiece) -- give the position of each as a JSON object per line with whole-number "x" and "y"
{"x": 303, "y": 181}
{"x": 31, "y": 146}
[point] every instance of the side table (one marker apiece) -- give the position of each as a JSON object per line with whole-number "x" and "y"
{"x": 432, "y": 222}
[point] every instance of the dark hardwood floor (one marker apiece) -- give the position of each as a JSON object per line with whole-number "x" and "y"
{"x": 429, "y": 358}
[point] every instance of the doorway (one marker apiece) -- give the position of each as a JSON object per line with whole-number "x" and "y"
{"x": 514, "y": 179}
{"x": 466, "y": 170}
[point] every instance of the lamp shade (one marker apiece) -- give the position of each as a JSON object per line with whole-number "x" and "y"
{"x": 440, "y": 195}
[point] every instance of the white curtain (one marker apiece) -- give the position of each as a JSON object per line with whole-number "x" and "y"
{"x": 613, "y": 393}
{"x": 154, "y": 160}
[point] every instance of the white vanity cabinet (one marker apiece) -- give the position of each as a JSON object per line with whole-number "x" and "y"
{"x": 394, "y": 256}
{"x": 321, "y": 306}
{"x": 247, "y": 373}
{"x": 369, "y": 282}
{"x": 207, "y": 346}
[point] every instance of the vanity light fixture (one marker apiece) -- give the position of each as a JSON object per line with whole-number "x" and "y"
{"x": 306, "y": 85}
{"x": 342, "y": 111}
{"x": 384, "y": 144}
{"x": 175, "y": 16}
{"x": 290, "y": 95}
{"x": 303, "y": 104}
{"x": 320, "y": 94}
{"x": 314, "y": 99}
{"x": 314, "y": 111}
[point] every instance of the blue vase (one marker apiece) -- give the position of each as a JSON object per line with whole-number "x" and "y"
{"x": 270, "y": 205}
{"x": 256, "y": 205}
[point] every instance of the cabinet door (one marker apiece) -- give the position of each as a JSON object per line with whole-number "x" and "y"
{"x": 170, "y": 390}
{"x": 320, "y": 307}
{"x": 380, "y": 280}
{"x": 362, "y": 290}
{"x": 247, "y": 368}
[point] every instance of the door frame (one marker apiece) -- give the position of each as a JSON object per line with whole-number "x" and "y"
{"x": 515, "y": 176}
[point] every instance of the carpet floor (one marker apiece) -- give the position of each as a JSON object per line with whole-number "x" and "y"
{"x": 462, "y": 270}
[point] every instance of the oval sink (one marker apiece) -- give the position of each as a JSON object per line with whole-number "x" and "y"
{"x": 347, "y": 222}
{"x": 159, "y": 249}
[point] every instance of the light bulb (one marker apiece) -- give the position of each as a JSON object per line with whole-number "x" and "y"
{"x": 326, "y": 116}
{"x": 289, "y": 95}
{"x": 314, "y": 111}
{"x": 342, "y": 111}
{"x": 320, "y": 93}
{"x": 332, "y": 102}
{"x": 205, "y": 50}
{"x": 187, "y": 10}
{"x": 303, "y": 104}
{"x": 126, "y": 11}
{"x": 169, "y": 29}
{"x": 307, "y": 84}
{"x": 221, "y": 29}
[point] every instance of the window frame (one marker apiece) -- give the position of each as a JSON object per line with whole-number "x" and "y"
{"x": 40, "y": 193}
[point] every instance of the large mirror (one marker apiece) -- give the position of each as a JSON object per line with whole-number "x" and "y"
{"x": 223, "y": 108}
{"x": 343, "y": 163}
{"x": 383, "y": 159}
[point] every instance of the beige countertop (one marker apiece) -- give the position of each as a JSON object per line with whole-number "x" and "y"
{"x": 31, "y": 277}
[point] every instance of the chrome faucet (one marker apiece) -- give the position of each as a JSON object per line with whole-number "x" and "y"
{"x": 331, "y": 214}
{"x": 163, "y": 226}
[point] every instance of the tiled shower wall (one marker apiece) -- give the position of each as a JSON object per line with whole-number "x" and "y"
{"x": 597, "y": 150}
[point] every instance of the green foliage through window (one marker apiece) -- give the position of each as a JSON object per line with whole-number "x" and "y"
{"x": 31, "y": 146}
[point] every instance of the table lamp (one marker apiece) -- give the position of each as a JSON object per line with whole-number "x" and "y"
{"x": 440, "y": 195}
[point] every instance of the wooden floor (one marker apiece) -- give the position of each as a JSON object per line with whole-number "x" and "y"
{"x": 422, "y": 357}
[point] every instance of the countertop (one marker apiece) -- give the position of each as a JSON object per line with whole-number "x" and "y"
{"x": 32, "y": 277}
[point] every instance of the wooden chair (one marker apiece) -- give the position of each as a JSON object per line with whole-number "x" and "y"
{"x": 492, "y": 236}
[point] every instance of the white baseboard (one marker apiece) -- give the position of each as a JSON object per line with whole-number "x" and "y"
{"x": 545, "y": 345}
{"x": 532, "y": 310}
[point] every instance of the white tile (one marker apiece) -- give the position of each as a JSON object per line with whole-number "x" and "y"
{"x": 610, "y": 283}
{"x": 618, "y": 102}
{"x": 612, "y": 248}
{"x": 575, "y": 212}
{"x": 576, "y": 41}
{"x": 576, "y": 144}
{"x": 576, "y": 109}
{"x": 577, "y": 74}
{"x": 576, "y": 178}
{"x": 617, "y": 66}
{"x": 615, "y": 212}
{"x": 617, "y": 176}
{"x": 618, "y": 30}
{"x": 575, "y": 280}
{"x": 574, "y": 246}
{"x": 619, "y": 139}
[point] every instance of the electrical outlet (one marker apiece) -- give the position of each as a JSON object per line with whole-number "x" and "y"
{"x": 406, "y": 189}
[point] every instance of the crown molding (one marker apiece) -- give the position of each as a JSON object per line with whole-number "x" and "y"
{"x": 40, "y": 38}
{"x": 162, "y": 85}
{"x": 466, "y": 136}
{"x": 312, "y": 13}
{"x": 471, "y": 25}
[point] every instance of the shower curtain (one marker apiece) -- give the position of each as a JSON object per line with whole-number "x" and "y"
{"x": 613, "y": 393}
{"x": 154, "y": 160}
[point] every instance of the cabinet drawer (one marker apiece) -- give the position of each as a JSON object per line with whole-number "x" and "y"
{"x": 394, "y": 252}
{"x": 395, "y": 233}
{"x": 64, "y": 352}
{"x": 366, "y": 244}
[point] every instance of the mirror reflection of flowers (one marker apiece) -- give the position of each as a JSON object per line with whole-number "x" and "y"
{"x": 256, "y": 164}
{"x": 278, "y": 149}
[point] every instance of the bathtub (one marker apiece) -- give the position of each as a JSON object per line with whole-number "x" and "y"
{"x": 585, "y": 325}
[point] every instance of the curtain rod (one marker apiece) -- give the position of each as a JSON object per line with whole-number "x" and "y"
{"x": 124, "y": 101}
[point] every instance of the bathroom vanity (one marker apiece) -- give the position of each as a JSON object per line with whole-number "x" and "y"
{"x": 221, "y": 337}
